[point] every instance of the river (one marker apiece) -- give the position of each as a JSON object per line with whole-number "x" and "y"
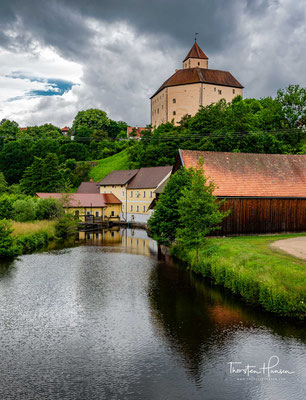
{"x": 109, "y": 320}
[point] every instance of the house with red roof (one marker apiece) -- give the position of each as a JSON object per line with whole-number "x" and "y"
{"x": 265, "y": 193}
{"x": 88, "y": 206}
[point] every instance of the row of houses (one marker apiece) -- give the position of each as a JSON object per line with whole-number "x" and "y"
{"x": 265, "y": 192}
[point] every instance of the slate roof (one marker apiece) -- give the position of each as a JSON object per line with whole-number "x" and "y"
{"x": 147, "y": 178}
{"x": 251, "y": 175}
{"x": 196, "y": 52}
{"x": 119, "y": 177}
{"x": 89, "y": 187}
{"x": 200, "y": 75}
{"x": 83, "y": 199}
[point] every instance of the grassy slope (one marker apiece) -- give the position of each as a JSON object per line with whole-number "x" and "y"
{"x": 248, "y": 266}
{"x": 27, "y": 228}
{"x": 118, "y": 161}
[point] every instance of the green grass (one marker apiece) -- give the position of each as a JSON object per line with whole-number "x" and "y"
{"x": 249, "y": 267}
{"x": 118, "y": 161}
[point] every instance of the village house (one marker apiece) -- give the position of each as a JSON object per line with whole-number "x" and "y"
{"x": 265, "y": 192}
{"x": 103, "y": 207}
{"x": 136, "y": 190}
{"x": 191, "y": 87}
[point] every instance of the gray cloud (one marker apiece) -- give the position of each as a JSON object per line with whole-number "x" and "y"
{"x": 127, "y": 48}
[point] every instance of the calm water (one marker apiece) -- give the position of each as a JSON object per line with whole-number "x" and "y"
{"x": 114, "y": 322}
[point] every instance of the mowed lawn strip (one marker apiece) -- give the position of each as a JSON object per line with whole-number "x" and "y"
{"x": 249, "y": 267}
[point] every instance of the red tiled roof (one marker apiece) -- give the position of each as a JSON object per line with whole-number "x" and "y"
{"x": 89, "y": 187}
{"x": 251, "y": 175}
{"x": 65, "y": 129}
{"x": 200, "y": 75}
{"x": 147, "y": 178}
{"x": 83, "y": 199}
{"x": 196, "y": 52}
{"x": 135, "y": 129}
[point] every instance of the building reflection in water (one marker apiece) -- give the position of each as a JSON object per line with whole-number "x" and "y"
{"x": 130, "y": 240}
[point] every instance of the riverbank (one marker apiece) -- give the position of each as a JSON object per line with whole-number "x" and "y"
{"x": 33, "y": 236}
{"x": 252, "y": 269}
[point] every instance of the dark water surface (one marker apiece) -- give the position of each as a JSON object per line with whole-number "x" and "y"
{"x": 114, "y": 322}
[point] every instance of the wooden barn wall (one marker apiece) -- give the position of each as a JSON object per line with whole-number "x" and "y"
{"x": 264, "y": 215}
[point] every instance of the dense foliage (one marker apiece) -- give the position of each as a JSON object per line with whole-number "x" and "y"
{"x": 8, "y": 245}
{"x": 66, "y": 227}
{"x": 252, "y": 126}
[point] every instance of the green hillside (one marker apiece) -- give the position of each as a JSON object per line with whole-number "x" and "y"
{"x": 118, "y": 161}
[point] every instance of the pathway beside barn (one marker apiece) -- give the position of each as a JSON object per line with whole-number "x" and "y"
{"x": 295, "y": 246}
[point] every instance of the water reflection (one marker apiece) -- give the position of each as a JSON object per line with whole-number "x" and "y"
{"x": 133, "y": 241}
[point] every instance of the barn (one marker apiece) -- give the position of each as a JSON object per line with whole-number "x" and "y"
{"x": 266, "y": 193}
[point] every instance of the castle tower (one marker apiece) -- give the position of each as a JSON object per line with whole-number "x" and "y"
{"x": 195, "y": 58}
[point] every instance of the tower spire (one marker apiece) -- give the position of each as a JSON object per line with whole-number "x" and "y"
{"x": 196, "y": 57}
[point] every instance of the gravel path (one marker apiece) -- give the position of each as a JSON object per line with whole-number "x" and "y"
{"x": 295, "y": 246}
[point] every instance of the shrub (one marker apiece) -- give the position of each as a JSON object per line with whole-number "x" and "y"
{"x": 48, "y": 209}
{"x": 24, "y": 210}
{"x": 66, "y": 227}
{"x": 34, "y": 241}
{"x": 8, "y": 245}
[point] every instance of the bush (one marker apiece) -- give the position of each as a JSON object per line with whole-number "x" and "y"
{"x": 6, "y": 206}
{"x": 34, "y": 241}
{"x": 8, "y": 245}
{"x": 66, "y": 227}
{"x": 24, "y": 210}
{"x": 48, "y": 209}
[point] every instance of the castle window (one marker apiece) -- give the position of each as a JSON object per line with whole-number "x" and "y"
{"x": 198, "y": 63}
{"x": 158, "y": 111}
{"x": 215, "y": 89}
{"x": 219, "y": 91}
{"x": 174, "y": 100}
{"x": 233, "y": 91}
{"x": 174, "y": 112}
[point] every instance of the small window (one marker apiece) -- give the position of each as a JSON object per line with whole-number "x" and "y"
{"x": 131, "y": 193}
{"x": 112, "y": 213}
{"x": 198, "y": 63}
{"x": 174, "y": 112}
{"x": 158, "y": 111}
{"x": 219, "y": 91}
{"x": 215, "y": 89}
{"x": 137, "y": 193}
{"x": 122, "y": 207}
{"x": 112, "y": 233}
{"x": 131, "y": 208}
{"x": 97, "y": 213}
{"x": 123, "y": 193}
{"x": 137, "y": 208}
{"x": 174, "y": 101}
{"x": 87, "y": 212}
{"x": 234, "y": 91}
{"x": 144, "y": 208}
{"x": 144, "y": 193}
{"x": 151, "y": 194}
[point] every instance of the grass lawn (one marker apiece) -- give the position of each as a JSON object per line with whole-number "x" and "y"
{"x": 249, "y": 267}
{"x": 28, "y": 228}
{"x": 118, "y": 161}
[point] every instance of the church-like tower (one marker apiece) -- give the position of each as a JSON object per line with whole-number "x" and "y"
{"x": 195, "y": 58}
{"x": 191, "y": 87}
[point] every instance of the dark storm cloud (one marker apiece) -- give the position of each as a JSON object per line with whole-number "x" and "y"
{"x": 127, "y": 48}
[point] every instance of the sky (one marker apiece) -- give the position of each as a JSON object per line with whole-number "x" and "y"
{"x": 58, "y": 57}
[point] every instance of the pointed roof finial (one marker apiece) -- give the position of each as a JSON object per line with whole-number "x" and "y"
{"x": 195, "y": 37}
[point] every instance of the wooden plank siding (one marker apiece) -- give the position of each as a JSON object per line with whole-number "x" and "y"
{"x": 263, "y": 215}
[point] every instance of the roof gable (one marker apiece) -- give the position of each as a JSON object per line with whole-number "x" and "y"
{"x": 196, "y": 52}
{"x": 89, "y": 187}
{"x": 251, "y": 175}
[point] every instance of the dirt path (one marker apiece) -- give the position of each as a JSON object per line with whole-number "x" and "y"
{"x": 295, "y": 246}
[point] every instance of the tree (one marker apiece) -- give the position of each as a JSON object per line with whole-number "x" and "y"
{"x": 3, "y": 184}
{"x": 92, "y": 119}
{"x": 52, "y": 178}
{"x": 8, "y": 246}
{"x": 293, "y": 101}
{"x": 198, "y": 211}
{"x": 164, "y": 222}
{"x": 49, "y": 209}
{"x": 66, "y": 227}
